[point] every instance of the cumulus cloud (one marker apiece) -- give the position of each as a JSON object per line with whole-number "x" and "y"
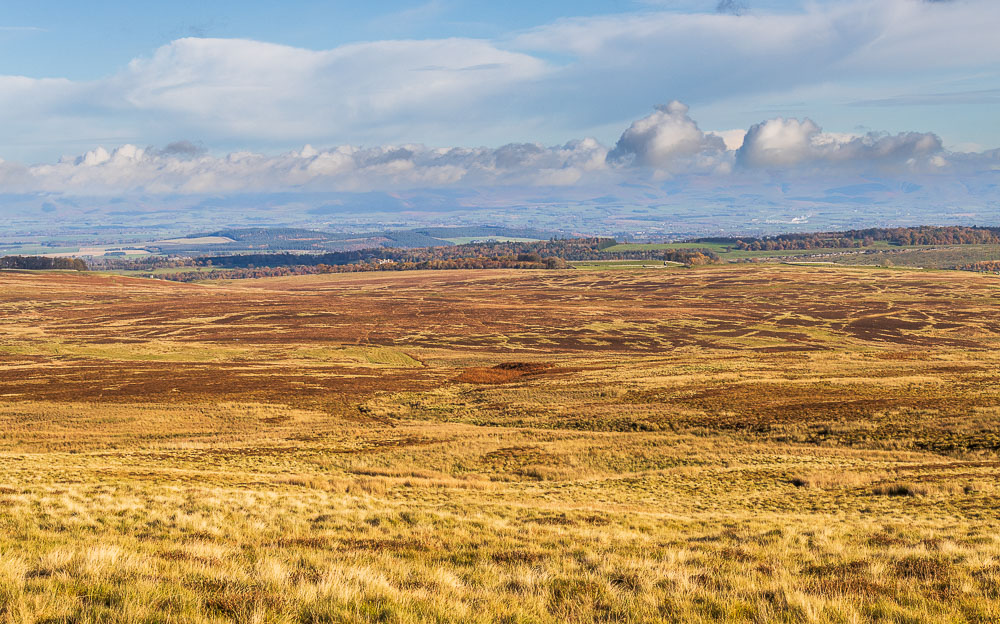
{"x": 185, "y": 169}
{"x": 783, "y": 142}
{"x": 664, "y": 144}
{"x": 667, "y": 140}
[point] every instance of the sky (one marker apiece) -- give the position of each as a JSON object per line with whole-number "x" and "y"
{"x": 224, "y": 96}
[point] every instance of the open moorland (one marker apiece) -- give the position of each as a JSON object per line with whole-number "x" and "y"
{"x": 734, "y": 443}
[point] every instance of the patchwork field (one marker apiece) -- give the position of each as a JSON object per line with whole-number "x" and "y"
{"x": 747, "y": 443}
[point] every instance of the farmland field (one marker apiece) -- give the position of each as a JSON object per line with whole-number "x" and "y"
{"x": 741, "y": 443}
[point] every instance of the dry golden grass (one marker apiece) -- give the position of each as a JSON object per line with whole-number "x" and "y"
{"x": 730, "y": 444}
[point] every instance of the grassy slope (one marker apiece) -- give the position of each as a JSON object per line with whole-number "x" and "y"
{"x": 719, "y": 444}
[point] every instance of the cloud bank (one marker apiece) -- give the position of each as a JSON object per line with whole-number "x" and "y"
{"x": 781, "y": 142}
{"x": 183, "y": 168}
{"x": 666, "y": 144}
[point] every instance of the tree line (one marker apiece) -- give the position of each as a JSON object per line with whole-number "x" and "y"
{"x": 41, "y": 263}
{"x": 566, "y": 249}
{"x": 923, "y": 235}
{"x": 523, "y": 261}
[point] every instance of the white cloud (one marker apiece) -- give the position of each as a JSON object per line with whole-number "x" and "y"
{"x": 800, "y": 46}
{"x": 249, "y": 88}
{"x": 744, "y": 62}
{"x": 344, "y": 168}
{"x": 785, "y": 143}
{"x": 666, "y": 143}
{"x": 666, "y": 140}
{"x": 242, "y": 92}
{"x": 568, "y": 78}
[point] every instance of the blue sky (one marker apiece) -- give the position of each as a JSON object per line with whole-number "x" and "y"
{"x": 184, "y": 80}
{"x": 85, "y": 41}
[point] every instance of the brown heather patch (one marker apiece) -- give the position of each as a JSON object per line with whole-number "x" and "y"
{"x": 506, "y": 372}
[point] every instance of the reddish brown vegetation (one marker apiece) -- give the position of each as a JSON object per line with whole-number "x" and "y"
{"x": 503, "y": 373}
{"x": 260, "y": 327}
{"x": 989, "y": 266}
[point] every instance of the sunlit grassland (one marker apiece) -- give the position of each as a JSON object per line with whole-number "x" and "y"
{"x": 451, "y": 522}
{"x": 736, "y": 444}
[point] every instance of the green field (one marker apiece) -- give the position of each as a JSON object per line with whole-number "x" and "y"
{"x": 34, "y": 250}
{"x": 164, "y": 271}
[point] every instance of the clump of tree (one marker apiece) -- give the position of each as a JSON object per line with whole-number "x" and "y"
{"x": 41, "y": 263}
{"x": 691, "y": 257}
{"x": 986, "y": 266}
